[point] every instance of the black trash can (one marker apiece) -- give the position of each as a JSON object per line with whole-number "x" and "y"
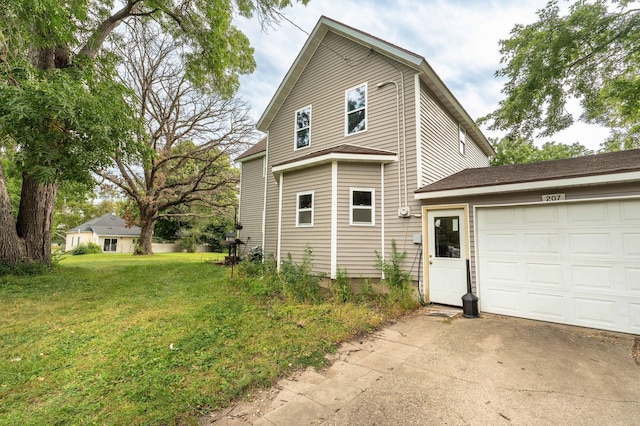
{"x": 470, "y": 306}
{"x": 469, "y": 300}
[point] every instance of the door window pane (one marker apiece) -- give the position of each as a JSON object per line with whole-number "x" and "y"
{"x": 447, "y": 236}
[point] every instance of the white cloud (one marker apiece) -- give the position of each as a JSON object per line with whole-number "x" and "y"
{"x": 458, "y": 38}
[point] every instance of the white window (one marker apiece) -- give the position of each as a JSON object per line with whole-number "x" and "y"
{"x": 304, "y": 209}
{"x": 463, "y": 140}
{"x": 362, "y": 205}
{"x": 303, "y": 127}
{"x": 356, "y": 109}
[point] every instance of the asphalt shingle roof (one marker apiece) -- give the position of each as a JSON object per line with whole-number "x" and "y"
{"x": 590, "y": 165}
{"x": 108, "y": 224}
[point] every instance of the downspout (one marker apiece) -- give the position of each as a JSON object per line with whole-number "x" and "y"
{"x": 404, "y": 132}
{"x": 379, "y": 86}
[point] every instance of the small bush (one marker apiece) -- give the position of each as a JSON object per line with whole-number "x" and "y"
{"x": 299, "y": 282}
{"x": 341, "y": 286}
{"x": 89, "y": 248}
{"x": 258, "y": 277}
{"x": 394, "y": 275}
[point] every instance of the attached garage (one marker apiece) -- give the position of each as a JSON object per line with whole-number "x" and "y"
{"x": 574, "y": 263}
{"x": 556, "y": 241}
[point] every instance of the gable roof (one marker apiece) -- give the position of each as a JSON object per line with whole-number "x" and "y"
{"x": 412, "y": 60}
{"x": 587, "y": 170}
{"x": 257, "y": 150}
{"x": 108, "y": 224}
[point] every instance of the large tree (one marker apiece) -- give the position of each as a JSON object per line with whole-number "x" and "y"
{"x": 591, "y": 54}
{"x": 188, "y": 137}
{"x": 61, "y": 106}
{"x": 519, "y": 150}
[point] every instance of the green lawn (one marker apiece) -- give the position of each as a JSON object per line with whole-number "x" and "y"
{"x": 118, "y": 339}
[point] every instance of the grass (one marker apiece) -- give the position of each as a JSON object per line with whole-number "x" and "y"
{"x": 121, "y": 339}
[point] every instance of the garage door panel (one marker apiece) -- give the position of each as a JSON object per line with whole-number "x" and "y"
{"x": 595, "y": 312}
{"x": 630, "y": 212}
{"x": 542, "y": 243}
{"x": 590, "y": 244}
{"x": 634, "y": 317}
{"x": 544, "y": 274}
{"x": 631, "y": 244}
{"x": 592, "y": 277}
{"x": 503, "y": 301}
{"x": 503, "y": 272}
{"x": 540, "y": 215}
{"x": 596, "y": 214}
{"x": 546, "y": 306}
{"x": 580, "y": 265}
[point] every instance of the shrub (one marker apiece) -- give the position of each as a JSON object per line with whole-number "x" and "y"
{"x": 394, "y": 275}
{"x": 341, "y": 286}
{"x": 89, "y": 248}
{"x": 299, "y": 282}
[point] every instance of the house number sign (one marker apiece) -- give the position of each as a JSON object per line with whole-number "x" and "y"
{"x": 552, "y": 197}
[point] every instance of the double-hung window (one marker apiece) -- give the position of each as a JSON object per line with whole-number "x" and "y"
{"x": 362, "y": 206}
{"x": 304, "y": 209}
{"x": 303, "y": 127}
{"x": 356, "y": 109}
{"x": 463, "y": 140}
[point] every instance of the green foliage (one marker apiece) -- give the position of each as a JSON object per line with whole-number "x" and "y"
{"x": 590, "y": 54}
{"x": 299, "y": 281}
{"x": 24, "y": 269}
{"x": 131, "y": 340}
{"x": 519, "y": 151}
{"x": 394, "y": 276}
{"x": 341, "y": 286}
{"x": 89, "y": 248}
{"x": 65, "y": 122}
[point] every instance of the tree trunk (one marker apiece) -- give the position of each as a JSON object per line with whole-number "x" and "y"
{"x": 35, "y": 218}
{"x": 12, "y": 248}
{"x": 147, "y": 223}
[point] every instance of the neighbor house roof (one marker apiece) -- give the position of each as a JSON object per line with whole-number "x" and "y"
{"x": 108, "y": 224}
{"x": 587, "y": 170}
{"x": 412, "y": 60}
{"x": 344, "y": 152}
{"x": 257, "y": 150}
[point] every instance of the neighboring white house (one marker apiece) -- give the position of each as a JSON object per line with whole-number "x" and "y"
{"x": 109, "y": 231}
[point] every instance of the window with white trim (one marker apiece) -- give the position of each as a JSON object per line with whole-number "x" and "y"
{"x": 304, "y": 209}
{"x": 356, "y": 109}
{"x": 463, "y": 140}
{"x": 362, "y": 206}
{"x": 303, "y": 127}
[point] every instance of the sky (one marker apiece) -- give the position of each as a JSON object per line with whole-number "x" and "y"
{"x": 458, "y": 38}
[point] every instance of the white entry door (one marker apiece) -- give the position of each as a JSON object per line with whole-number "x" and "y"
{"x": 446, "y": 256}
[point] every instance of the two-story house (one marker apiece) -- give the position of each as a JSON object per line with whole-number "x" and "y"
{"x": 365, "y": 145}
{"x": 356, "y": 126}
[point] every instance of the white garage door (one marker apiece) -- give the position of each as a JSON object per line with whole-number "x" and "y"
{"x": 572, "y": 263}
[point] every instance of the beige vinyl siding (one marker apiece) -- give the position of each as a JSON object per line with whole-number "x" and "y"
{"x": 439, "y": 134}
{"x": 571, "y": 194}
{"x": 271, "y": 215}
{"x": 322, "y": 85}
{"x": 318, "y": 236}
{"x": 357, "y": 243}
{"x": 252, "y": 201}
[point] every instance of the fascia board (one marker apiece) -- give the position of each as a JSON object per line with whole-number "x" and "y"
{"x": 529, "y": 186}
{"x": 252, "y": 157}
{"x": 377, "y": 158}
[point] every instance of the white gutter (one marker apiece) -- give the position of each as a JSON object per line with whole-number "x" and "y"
{"x": 528, "y": 186}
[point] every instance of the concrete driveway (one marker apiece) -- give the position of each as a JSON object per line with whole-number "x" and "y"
{"x": 427, "y": 369}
